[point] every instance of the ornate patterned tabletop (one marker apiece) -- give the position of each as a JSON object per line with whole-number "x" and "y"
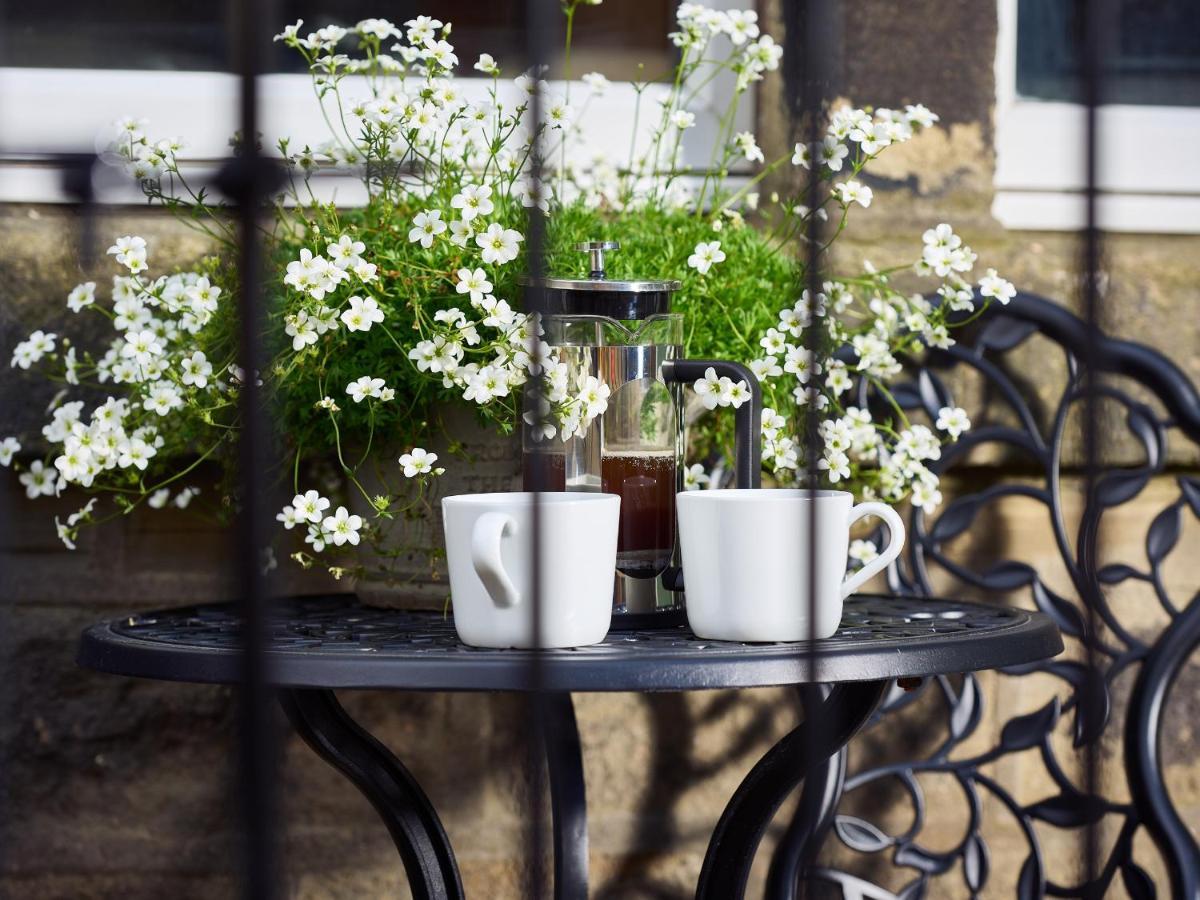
{"x": 334, "y": 642}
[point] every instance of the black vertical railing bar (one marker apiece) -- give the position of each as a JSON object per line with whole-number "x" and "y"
{"x": 245, "y": 179}
{"x": 539, "y": 24}
{"x": 1095, "y": 21}
{"x": 814, "y": 19}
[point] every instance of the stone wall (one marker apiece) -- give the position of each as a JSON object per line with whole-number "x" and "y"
{"x": 115, "y": 787}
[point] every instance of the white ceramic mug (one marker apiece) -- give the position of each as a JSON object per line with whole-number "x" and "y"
{"x": 746, "y": 561}
{"x": 489, "y": 553}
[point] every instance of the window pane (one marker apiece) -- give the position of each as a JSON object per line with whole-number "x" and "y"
{"x": 1152, "y": 57}
{"x": 192, "y": 34}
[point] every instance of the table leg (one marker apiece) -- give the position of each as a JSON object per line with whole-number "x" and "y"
{"x": 410, "y": 818}
{"x": 819, "y": 797}
{"x": 803, "y": 752}
{"x": 568, "y": 798}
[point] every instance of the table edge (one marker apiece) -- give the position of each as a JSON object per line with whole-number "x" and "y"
{"x": 101, "y": 649}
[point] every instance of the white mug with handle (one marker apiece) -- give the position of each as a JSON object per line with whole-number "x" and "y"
{"x": 489, "y": 553}
{"x": 748, "y": 561}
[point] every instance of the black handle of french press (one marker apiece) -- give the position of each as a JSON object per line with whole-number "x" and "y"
{"x": 747, "y": 467}
{"x": 747, "y": 424}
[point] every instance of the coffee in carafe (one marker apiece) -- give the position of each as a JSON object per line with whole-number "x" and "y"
{"x": 645, "y": 481}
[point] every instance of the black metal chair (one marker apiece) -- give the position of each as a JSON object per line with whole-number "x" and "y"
{"x": 1156, "y": 399}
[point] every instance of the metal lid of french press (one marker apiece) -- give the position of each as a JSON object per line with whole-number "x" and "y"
{"x": 597, "y": 295}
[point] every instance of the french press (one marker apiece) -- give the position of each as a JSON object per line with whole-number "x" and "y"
{"x": 624, "y": 334}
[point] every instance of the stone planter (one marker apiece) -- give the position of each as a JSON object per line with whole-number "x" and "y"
{"x": 488, "y": 462}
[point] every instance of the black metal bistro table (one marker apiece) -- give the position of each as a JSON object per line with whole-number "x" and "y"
{"x": 321, "y": 644}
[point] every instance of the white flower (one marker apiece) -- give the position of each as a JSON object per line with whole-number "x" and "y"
{"x": 440, "y": 53}
{"x": 425, "y": 355}
{"x": 309, "y": 507}
{"x": 526, "y": 192}
{"x": 773, "y": 342}
{"x": 941, "y": 236}
{"x": 379, "y": 28}
{"x": 712, "y": 390}
{"x": 863, "y": 552}
{"x": 499, "y": 313}
{"x": 853, "y": 192}
{"x": 346, "y": 251}
{"x": 593, "y": 396}
{"x": 767, "y": 367}
{"x": 833, "y": 152}
{"x": 744, "y": 140}
{"x": 705, "y": 256}
{"x": 133, "y": 452}
{"x": 838, "y": 380}
{"x": 596, "y": 82}
{"x": 8, "y": 447}
{"x": 499, "y": 244}
{"x": 925, "y": 493}
{"x": 363, "y": 270}
{"x": 38, "y": 480}
{"x": 737, "y": 393}
{"x": 836, "y": 463}
{"x": 992, "y": 285}
{"x": 289, "y": 517}
{"x": 417, "y": 461}
{"x": 422, "y": 29}
{"x": 460, "y": 233}
{"x": 71, "y": 367}
{"x": 130, "y": 251}
{"x": 162, "y": 397}
{"x": 558, "y": 115}
{"x": 81, "y": 295}
{"x": 487, "y": 65}
{"x": 741, "y": 25}
{"x": 66, "y": 534}
{"x": 364, "y": 387}
{"x": 472, "y": 201}
{"x": 362, "y": 314}
{"x": 159, "y": 498}
{"x": 953, "y": 420}
{"x": 33, "y": 349}
{"x": 694, "y": 477}
{"x": 919, "y": 114}
{"x": 682, "y": 119}
{"x": 799, "y": 362}
{"x": 488, "y": 382}
{"x": 301, "y": 329}
{"x": 196, "y": 369}
{"x": 290, "y": 33}
{"x": 772, "y": 423}
{"x": 342, "y": 527}
{"x": 426, "y": 226}
{"x": 142, "y": 346}
{"x": 184, "y": 497}
{"x": 474, "y": 283}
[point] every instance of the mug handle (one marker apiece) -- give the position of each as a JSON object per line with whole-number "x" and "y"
{"x": 895, "y": 526}
{"x": 486, "y": 535}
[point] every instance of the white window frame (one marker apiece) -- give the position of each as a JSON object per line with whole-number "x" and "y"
{"x": 1146, "y": 157}
{"x": 54, "y": 111}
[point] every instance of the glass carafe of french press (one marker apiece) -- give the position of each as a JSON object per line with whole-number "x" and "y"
{"x": 624, "y": 334}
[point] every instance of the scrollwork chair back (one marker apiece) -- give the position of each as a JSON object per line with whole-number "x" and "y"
{"x": 1157, "y": 402}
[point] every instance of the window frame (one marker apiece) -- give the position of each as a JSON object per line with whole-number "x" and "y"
{"x": 1147, "y": 174}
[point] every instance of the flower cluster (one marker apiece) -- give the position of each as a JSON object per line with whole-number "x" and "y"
{"x": 380, "y": 316}
{"x": 862, "y": 326}
{"x": 155, "y": 368}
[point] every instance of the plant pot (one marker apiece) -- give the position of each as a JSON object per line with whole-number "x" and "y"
{"x": 487, "y": 462}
